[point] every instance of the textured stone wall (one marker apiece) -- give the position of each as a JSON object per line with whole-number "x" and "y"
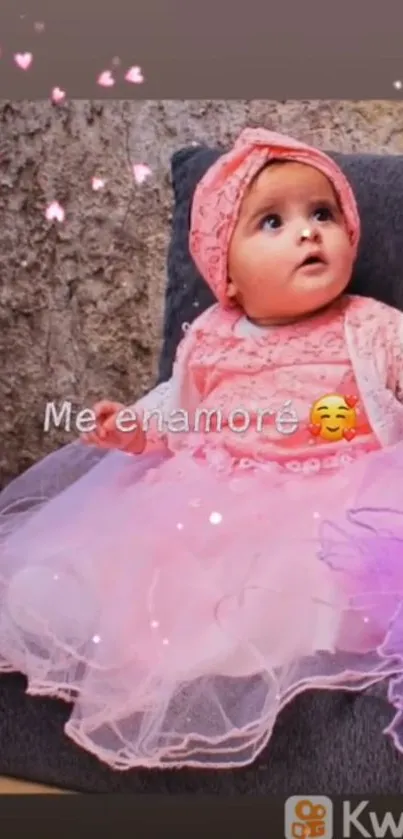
{"x": 81, "y": 301}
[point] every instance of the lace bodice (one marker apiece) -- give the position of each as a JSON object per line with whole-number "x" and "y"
{"x": 228, "y": 369}
{"x": 266, "y": 381}
{"x": 250, "y": 391}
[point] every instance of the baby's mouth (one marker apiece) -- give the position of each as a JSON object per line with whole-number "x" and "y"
{"x": 312, "y": 259}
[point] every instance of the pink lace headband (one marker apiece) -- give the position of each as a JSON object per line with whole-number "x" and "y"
{"x": 219, "y": 194}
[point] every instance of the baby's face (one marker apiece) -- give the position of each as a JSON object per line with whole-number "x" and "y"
{"x": 269, "y": 274}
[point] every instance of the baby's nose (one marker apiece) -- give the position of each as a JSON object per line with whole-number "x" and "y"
{"x": 309, "y": 233}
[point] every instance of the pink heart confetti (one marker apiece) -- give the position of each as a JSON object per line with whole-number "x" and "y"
{"x": 39, "y": 26}
{"x": 97, "y": 184}
{"x": 23, "y": 60}
{"x": 134, "y": 75}
{"x": 58, "y": 95}
{"x": 55, "y": 212}
{"x": 106, "y": 79}
{"x": 141, "y": 172}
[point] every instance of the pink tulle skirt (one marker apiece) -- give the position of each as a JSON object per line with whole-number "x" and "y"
{"x": 179, "y": 603}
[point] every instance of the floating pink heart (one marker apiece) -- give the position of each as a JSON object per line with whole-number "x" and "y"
{"x": 55, "y": 212}
{"x": 58, "y": 95}
{"x": 141, "y": 172}
{"x": 106, "y": 79}
{"x": 134, "y": 75}
{"x": 97, "y": 184}
{"x": 23, "y": 60}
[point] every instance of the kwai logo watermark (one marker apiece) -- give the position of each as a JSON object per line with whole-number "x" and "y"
{"x": 205, "y": 420}
{"x": 359, "y": 820}
{"x": 308, "y": 816}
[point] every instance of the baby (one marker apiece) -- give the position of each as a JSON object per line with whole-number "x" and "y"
{"x": 289, "y": 257}
{"x": 193, "y": 581}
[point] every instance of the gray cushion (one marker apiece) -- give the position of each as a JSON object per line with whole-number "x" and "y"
{"x": 328, "y": 743}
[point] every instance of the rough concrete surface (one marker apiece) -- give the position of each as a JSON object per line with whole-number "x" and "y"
{"x": 81, "y": 301}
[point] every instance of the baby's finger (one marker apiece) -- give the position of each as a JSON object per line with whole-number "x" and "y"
{"x": 100, "y": 406}
{"x": 104, "y": 409}
{"x": 110, "y": 424}
{"x": 124, "y": 428}
{"x": 107, "y": 427}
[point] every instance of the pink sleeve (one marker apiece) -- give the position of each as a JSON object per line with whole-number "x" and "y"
{"x": 152, "y": 411}
{"x": 391, "y": 320}
{"x": 398, "y": 355}
{"x": 156, "y": 408}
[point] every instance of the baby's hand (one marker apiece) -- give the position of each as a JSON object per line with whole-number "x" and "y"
{"x": 108, "y": 435}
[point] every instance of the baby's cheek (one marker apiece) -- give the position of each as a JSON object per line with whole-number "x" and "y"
{"x": 341, "y": 250}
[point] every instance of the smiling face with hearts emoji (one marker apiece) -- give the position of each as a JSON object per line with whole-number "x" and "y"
{"x": 334, "y": 418}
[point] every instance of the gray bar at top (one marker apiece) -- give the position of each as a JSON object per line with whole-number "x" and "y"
{"x": 196, "y": 49}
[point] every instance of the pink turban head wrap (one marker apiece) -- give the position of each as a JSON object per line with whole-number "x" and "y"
{"x": 218, "y": 197}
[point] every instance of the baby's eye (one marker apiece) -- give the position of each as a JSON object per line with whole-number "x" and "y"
{"x": 272, "y": 221}
{"x": 323, "y": 214}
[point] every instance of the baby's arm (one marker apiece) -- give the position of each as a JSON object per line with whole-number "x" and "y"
{"x": 390, "y": 337}
{"x": 393, "y": 320}
{"x": 398, "y": 358}
{"x": 152, "y": 412}
{"x": 143, "y": 427}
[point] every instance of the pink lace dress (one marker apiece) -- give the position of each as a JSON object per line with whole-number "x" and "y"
{"x": 180, "y": 599}
{"x": 258, "y": 388}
